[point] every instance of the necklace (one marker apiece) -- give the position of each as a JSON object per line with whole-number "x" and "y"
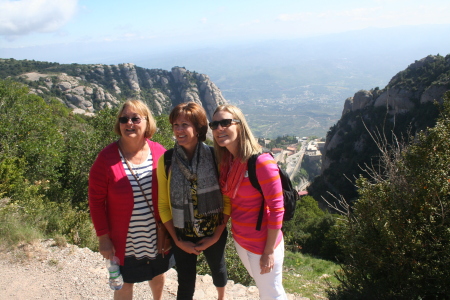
{"x": 134, "y": 167}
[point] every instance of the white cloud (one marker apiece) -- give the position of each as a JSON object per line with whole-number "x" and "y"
{"x": 22, "y": 17}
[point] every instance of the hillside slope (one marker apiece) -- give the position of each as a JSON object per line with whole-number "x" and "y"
{"x": 404, "y": 107}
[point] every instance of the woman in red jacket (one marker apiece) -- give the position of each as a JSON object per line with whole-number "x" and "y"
{"x": 122, "y": 187}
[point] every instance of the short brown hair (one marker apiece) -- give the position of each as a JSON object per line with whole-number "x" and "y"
{"x": 141, "y": 108}
{"x": 195, "y": 114}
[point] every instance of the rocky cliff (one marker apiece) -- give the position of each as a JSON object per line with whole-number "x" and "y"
{"x": 88, "y": 88}
{"x": 403, "y": 107}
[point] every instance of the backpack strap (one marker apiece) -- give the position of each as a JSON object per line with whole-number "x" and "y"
{"x": 251, "y": 169}
{"x": 168, "y": 159}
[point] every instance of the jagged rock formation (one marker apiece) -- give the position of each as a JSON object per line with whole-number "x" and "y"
{"x": 399, "y": 95}
{"x": 88, "y": 88}
{"x": 404, "y": 105}
{"x": 198, "y": 88}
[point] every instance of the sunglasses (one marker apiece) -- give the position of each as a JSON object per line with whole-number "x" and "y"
{"x": 224, "y": 123}
{"x": 134, "y": 120}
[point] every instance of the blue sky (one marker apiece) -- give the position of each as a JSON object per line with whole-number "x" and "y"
{"x": 170, "y": 23}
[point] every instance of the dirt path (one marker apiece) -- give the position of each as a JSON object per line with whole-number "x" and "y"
{"x": 45, "y": 271}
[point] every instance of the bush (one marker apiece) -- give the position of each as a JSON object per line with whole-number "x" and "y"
{"x": 13, "y": 229}
{"x": 33, "y": 216}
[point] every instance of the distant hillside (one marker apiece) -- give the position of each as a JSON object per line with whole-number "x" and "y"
{"x": 404, "y": 107}
{"x": 89, "y": 88}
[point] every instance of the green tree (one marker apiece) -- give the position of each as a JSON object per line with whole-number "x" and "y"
{"x": 29, "y": 130}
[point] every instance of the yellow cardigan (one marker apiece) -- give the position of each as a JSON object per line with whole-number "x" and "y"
{"x": 164, "y": 207}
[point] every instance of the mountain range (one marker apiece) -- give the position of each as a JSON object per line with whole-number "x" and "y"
{"x": 89, "y": 88}
{"x": 284, "y": 86}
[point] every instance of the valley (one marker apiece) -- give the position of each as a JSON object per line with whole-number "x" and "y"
{"x": 272, "y": 118}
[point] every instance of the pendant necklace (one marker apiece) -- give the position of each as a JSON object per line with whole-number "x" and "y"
{"x": 139, "y": 163}
{"x": 133, "y": 166}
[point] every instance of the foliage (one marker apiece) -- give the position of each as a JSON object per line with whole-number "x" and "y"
{"x": 29, "y": 130}
{"x": 14, "y": 231}
{"x": 301, "y": 174}
{"x": 395, "y": 240}
{"x": 11, "y": 175}
{"x": 282, "y": 141}
{"x": 311, "y": 230}
{"x": 419, "y": 77}
{"x": 33, "y": 216}
{"x": 312, "y": 167}
{"x": 164, "y": 135}
{"x": 83, "y": 141}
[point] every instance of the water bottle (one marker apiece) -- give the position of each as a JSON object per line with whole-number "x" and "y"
{"x": 115, "y": 278}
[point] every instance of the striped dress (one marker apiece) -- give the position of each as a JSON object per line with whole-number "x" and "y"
{"x": 141, "y": 237}
{"x": 247, "y": 203}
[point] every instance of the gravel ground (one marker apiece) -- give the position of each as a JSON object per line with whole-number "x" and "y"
{"x": 45, "y": 271}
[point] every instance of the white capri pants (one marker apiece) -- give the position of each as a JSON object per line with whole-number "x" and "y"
{"x": 270, "y": 285}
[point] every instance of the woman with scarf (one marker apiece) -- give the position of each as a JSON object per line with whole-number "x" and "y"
{"x": 191, "y": 204}
{"x": 261, "y": 251}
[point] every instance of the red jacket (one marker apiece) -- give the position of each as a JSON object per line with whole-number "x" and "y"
{"x": 111, "y": 200}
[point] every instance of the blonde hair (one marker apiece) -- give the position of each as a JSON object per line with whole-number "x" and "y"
{"x": 247, "y": 143}
{"x": 142, "y": 109}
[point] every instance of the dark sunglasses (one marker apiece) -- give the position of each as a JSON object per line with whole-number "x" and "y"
{"x": 224, "y": 123}
{"x": 134, "y": 120}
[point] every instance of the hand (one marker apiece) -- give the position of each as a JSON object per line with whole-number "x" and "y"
{"x": 105, "y": 246}
{"x": 188, "y": 247}
{"x": 266, "y": 263}
{"x": 205, "y": 243}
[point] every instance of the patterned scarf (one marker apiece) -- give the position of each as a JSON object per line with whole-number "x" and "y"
{"x": 202, "y": 168}
{"x": 231, "y": 175}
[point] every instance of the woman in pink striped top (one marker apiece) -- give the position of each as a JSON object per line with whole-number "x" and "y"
{"x": 261, "y": 252}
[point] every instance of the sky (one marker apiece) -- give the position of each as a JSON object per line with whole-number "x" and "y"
{"x": 40, "y": 25}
